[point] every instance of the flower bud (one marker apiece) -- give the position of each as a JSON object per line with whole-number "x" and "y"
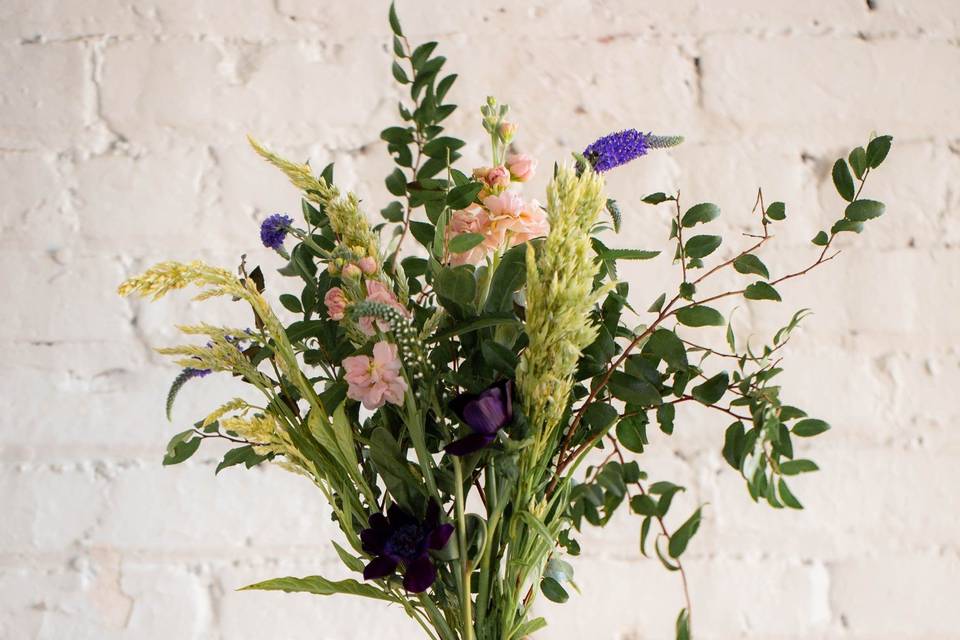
{"x": 351, "y": 272}
{"x": 521, "y": 166}
{"x": 367, "y": 265}
{"x": 506, "y": 131}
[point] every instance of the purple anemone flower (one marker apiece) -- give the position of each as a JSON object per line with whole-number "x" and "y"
{"x": 398, "y": 540}
{"x": 274, "y": 230}
{"x": 485, "y": 413}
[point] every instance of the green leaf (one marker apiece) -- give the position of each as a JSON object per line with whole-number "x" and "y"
{"x": 810, "y": 427}
{"x": 665, "y": 344}
{"x": 351, "y": 561}
{"x": 643, "y": 505}
{"x": 842, "y": 180}
{"x": 501, "y": 358}
{"x": 399, "y": 74}
{"x": 397, "y": 135}
{"x": 658, "y": 303}
{"x": 508, "y": 278}
{"x": 421, "y": 53}
{"x": 877, "y": 150}
{"x": 761, "y": 291}
{"x": 482, "y": 323}
{"x": 665, "y": 415}
{"x": 687, "y": 289}
{"x": 712, "y": 390}
{"x": 393, "y": 212}
{"x": 423, "y": 232}
{"x": 793, "y": 467}
{"x": 699, "y": 315}
{"x": 600, "y": 415}
{"x": 821, "y": 239}
{"x": 702, "y": 246}
{"x": 464, "y": 242}
{"x": 657, "y": 198}
{"x": 858, "y": 161}
{"x": 863, "y": 210}
{"x": 683, "y": 625}
{"x": 846, "y": 225}
{"x": 749, "y": 263}
{"x": 529, "y": 627}
{"x": 777, "y": 211}
{"x": 632, "y": 433}
{"x": 396, "y": 183}
{"x": 554, "y": 590}
{"x": 628, "y": 254}
{"x": 439, "y": 147}
{"x": 456, "y": 284}
{"x": 394, "y": 21}
{"x": 241, "y": 455}
{"x": 319, "y": 586}
{"x": 681, "y": 537}
{"x": 461, "y": 197}
{"x": 733, "y": 444}
{"x": 181, "y": 447}
{"x": 787, "y": 496}
{"x": 700, "y": 213}
{"x": 633, "y": 390}
{"x": 291, "y": 303}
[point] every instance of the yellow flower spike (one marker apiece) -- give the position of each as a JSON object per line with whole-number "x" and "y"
{"x": 233, "y": 405}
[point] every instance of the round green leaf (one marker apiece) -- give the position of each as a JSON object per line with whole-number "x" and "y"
{"x": 777, "y": 211}
{"x": 554, "y": 591}
{"x": 809, "y": 428}
{"x": 761, "y": 291}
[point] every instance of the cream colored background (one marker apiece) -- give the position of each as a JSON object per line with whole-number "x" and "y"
{"x": 122, "y": 129}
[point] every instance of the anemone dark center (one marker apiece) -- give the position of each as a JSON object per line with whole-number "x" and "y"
{"x": 405, "y": 542}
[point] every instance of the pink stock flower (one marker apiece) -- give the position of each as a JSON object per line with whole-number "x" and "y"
{"x": 499, "y": 176}
{"x": 375, "y": 380}
{"x": 530, "y": 223}
{"x": 378, "y": 292}
{"x": 336, "y": 303}
{"x": 500, "y": 215}
{"x": 368, "y": 265}
{"x": 521, "y": 166}
{"x": 466, "y": 221}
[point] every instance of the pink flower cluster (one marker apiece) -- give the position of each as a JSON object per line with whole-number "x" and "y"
{"x": 375, "y": 380}
{"x": 336, "y": 303}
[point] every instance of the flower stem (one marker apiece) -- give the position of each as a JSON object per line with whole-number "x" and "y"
{"x": 465, "y": 603}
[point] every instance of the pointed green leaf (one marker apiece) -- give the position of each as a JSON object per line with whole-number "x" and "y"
{"x": 877, "y": 150}
{"x": 863, "y": 210}
{"x": 700, "y": 213}
{"x": 319, "y": 586}
{"x": 464, "y": 242}
{"x": 761, "y": 291}
{"x": 711, "y": 391}
{"x": 793, "y": 467}
{"x": 702, "y": 246}
{"x": 821, "y": 239}
{"x": 700, "y": 316}
{"x": 858, "y": 161}
{"x": 749, "y": 263}
{"x": 777, "y": 211}
{"x": 809, "y": 427}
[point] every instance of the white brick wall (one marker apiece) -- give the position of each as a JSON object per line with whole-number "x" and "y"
{"x": 121, "y": 143}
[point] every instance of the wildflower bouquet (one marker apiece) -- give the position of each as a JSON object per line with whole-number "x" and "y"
{"x": 468, "y": 409}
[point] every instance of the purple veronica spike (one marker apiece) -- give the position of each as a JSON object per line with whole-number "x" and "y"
{"x": 190, "y": 372}
{"x": 485, "y": 414}
{"x": 616, "y": 149}
{"x": 274, "y": 230}
{"x": 400, "y": 541}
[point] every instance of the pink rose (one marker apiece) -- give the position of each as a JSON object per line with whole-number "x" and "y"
{"x": 378, "y": 292}
{"x": 521, "y": 167}
{"x": 336, "y": 303}
{"x": 375, "y": 380}
{"x": 368, "y": 265}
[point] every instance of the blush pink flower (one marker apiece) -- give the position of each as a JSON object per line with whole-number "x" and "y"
{"x": 500, "y": 215}
{"x": 466, "y": 221}
{"x": 378, "y": 292}
{"x": 335, "y": 302}
{"x": 375, "y": 380}
{"x": 530, "y": 223}
{"x": 521, "y": 166}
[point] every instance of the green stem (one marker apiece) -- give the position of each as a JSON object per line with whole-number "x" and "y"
{"x": 436, "y": 616}
{"x": 465, "y": 602}
{"x": 489, "y": 544}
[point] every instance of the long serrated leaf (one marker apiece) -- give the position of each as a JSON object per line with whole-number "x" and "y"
{"x": 320, "y": 586}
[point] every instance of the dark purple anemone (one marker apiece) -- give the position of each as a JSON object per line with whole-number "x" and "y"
{"x": 398, "y": 540}
{"x": 485, "y": 413}
{"x": 274, "y": 230}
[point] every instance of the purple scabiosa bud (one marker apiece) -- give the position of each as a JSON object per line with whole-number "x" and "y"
{"x": 274, "y": 230}
{"x": 486, "y": 413}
